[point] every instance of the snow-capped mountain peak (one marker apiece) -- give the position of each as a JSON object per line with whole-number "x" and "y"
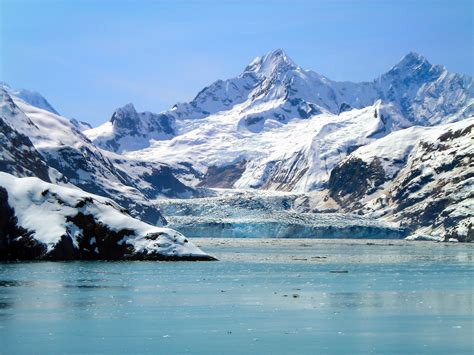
{"x": 274, "y": 62}
{"x": 32, "y": 97}
{"x": 415, "y": 67}
{"x": 412, "y": 58}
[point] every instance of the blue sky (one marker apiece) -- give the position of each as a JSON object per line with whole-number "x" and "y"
{"x": 89, "y": 57}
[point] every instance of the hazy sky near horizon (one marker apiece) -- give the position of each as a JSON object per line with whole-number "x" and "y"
{"x": 90, "y": 57}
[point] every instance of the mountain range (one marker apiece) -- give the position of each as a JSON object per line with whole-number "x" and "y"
{"x": 395, "y": 149}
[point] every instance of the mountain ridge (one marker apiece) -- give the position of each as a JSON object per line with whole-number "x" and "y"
{"x": 305, "y": 93}
{"x": 339, "y": 146}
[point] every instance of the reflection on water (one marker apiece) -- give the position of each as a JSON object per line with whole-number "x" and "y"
{"x": 4, "y": 305}
{"x": 264, "y": 296}
{"x": 13, "y": 283}
{"x": 94, "y": 286}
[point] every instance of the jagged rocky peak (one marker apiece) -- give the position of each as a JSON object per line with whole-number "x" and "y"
{"x": 414, "y": 65}
{"x": 129, "y": 130}
{"x": 125, "y": 117}
{"x": 223, "y": 94}
{"x": 273, "y": 62}
{"x": 413, "y": 59}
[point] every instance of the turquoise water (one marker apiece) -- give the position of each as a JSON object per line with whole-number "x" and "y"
{"x": 264, "y": 296}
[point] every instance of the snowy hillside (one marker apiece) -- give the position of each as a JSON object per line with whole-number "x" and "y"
{"x": 420, "y": 177}
{"x": 46, "y": 221}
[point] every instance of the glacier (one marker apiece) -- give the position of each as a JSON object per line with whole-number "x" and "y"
{"x": 252, "y": 214}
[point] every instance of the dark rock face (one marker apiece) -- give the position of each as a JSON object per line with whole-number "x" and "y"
{"x": 164, "y": 183}
{"x": 354, "y": 179}
{"x": 450, "y": 135}
{"x": 16, "y": 243}
{"x": 95, "y": 235}
{"x": 453, "y": 233}
{"x": 344, "y": 107}
{"x": 409, "y": 185}
{"x": 18, "y": 156}
{"x": 305, "y": 109}
{"x": 223, "y": 176}
{"x": 126, "y": 118}
{"x": 164, "y": 123}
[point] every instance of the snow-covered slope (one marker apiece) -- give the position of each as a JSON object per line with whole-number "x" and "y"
{"x": 32, "y": 97}
{"x": 297, "y": 156}
{"x": 278, "y": 126}
{"x": 40, "y": 220}
{"x": 421, "y": 177}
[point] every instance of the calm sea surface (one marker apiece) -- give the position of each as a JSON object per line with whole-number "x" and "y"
{"x": 263, "y": 296}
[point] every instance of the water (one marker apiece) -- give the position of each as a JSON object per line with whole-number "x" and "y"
{"x": 264, "y": 296}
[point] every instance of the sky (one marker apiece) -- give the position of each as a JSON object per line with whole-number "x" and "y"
{"x": 90, "y": 57}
